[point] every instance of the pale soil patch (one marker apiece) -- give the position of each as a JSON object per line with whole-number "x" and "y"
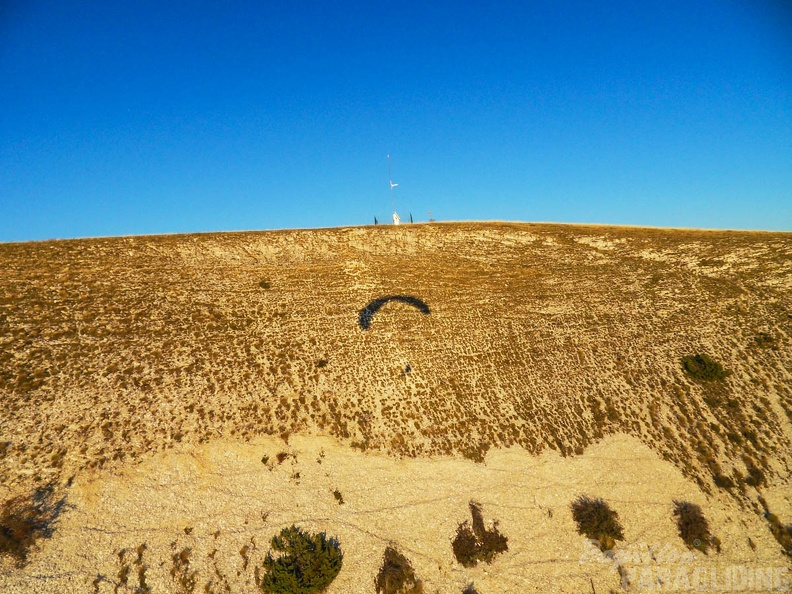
{"x": 601, "y": 243}
{"x": 226, "y": 498}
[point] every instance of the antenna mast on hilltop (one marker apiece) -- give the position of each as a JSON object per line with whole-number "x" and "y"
{"x": 396, "y": 219}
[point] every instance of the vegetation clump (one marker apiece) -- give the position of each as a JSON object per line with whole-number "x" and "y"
{"x": 756, "y": 476}
{"x": 396, "y": 575}
{"x": 703, "y": 368}
{"x": 477, "y": 452}
{"x": 24, "y": 520}
{"x": 184, "y": 579}
{"x": 763, "y": 340}
{"x": 597, "y": 521}
{"x": 303, "y": 563}
{"x": 474, "y": 543}
{"x": 722, "y": 481}
{"x": 693, "y": 527}
{"x": 782, "y": 533}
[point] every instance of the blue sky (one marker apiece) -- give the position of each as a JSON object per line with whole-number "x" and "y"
{"x": 166, "y": 117}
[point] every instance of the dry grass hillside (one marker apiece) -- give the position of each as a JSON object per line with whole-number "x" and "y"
{"x": 542, "y": 337}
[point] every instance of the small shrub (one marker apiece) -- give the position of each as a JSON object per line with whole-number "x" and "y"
{"x": 396, "y": 575}
{"x": 303, "y": 563}
{"x": 338, "y": 497}
{"x": 184, "y": 579}
{"x": 722, "y": 481}
{"x": 470, "y": 589}
{"x": 693, "y": 526}
{"x": 597, "y": 521}
{"x": 756, "y": 476}
{"x": 24, "y": 520}
{"x": 474, "y": 543}
{"x": 321, "y": 363}
{"x": 265, "y": 284}
{"x": 782, "y": 533}
{"x": 477, "y": 452}
{"x": 763, "y": 340}
{"x": 703, "y": 368}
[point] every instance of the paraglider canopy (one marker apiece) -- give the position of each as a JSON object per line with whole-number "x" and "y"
{"x": 367, "y": 313}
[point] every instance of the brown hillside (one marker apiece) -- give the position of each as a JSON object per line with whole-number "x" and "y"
{"x": 147, "y": 386}
{"x": 542, "y": 336}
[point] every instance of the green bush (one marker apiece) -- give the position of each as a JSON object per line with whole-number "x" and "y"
{"x": 703, "y": 367}
{"x": 396, "y": 576}
{"x": 474, "y": 543}
{"x": 693, "y": 526}
{"x": 303, "y": 563}
{"x": 597, "y": 521}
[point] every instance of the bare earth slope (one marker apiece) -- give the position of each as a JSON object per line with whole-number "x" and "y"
{"x": 542, "y": 337}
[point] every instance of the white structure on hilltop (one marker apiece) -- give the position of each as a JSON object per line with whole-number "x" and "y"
{"x": 396, "y": 218}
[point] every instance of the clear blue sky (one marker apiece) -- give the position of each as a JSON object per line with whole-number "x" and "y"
{"x": 164, "y": 117}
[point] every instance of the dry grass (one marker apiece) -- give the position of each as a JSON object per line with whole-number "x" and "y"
{"x": 542, "y": 336}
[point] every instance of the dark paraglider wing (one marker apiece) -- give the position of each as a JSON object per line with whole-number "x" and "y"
{"x": 367, "y": 313}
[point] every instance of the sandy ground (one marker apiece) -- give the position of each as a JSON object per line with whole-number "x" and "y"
{"x": 224, "y": 504}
